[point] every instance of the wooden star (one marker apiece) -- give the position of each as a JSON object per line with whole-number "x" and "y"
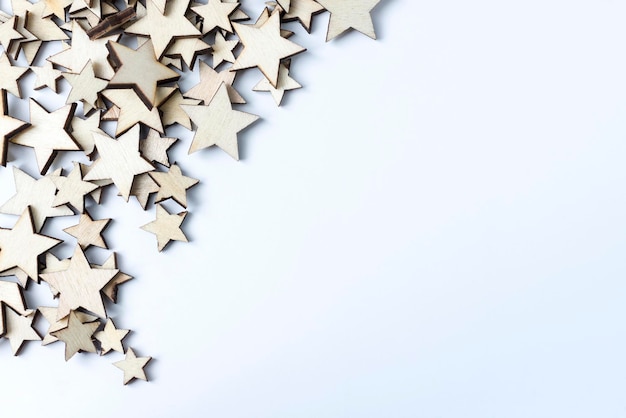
{"x": 172, "y": 112}
{"x": 80, "y": 285}
{"x": 72, "y": 189}
{"x": 10, "y": 76}
{"x": 41, "y": 27}
{"x": 19, "y": 274}
{"x": 210, "y": 82}
{"x": 36, "y": 194}
{"x": 303, "y": 11}
{"x": 47, "y": 76}
{"x": 163, "y": 28}
{"x": 218, "y": 124}
{"x": 29, "y": 43}
{"x": 111, "y": 338}
{"x": 21, "y": 246}
{"x": 85, "y": 86}
{"x": 119, "y": 160}
{"x": 19, "y": 328}
{"x": 223, "y": 49}
{"x": 9, "y": 127}
{"x": 143, "y": 187}
{"x": 133, "y": 366}
{"x": 11, "y": 295}
{"x": 56, "y": 7}
{"x": 8, "y": 34}
{"x": 77, "y": 336}
{"x": 154, "y": 147}
{"x": 214, "y": 15}
{"x": 82, "y": 132}
{"x": 140, "y": 70}
{"x": 88, "y": 232}
{"x": 172, "y": 184}
{"x": 48, "y": 133}
{"x": 349, "y": 14}
{"x": 110, "y": 290}
{"x": 265, "y": 16}
{"x": 187, "y": 49}
{"x": 285, "y": 83}
{"x": 133, "y": 111}
{"x": 166, "y": 227}
{"x": 50, "y": 314}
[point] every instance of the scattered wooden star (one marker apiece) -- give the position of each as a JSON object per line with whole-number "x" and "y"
{"x": 154, "y": 147}
{"x": 72, "y": 189}
{"x": 215, "y": 15}
{"x": 285, "y": 83}
{"x": 11, "y": 295}
{"x": 187, "y": 49}
{"x": 56, "y": 7}
{"x": 133, "y": 366}
{"x": 143, "y": 187}
{"x": 166, "y": 227}
{"x": 10, "y": 75}
{"x": 349, "y": 14}
{"x": 77, "y": 336}
{"x": 19, "y": 328}
{"x": 223, "y": 49}
{"x": 85, "y": 86}
{"x": 111, "y": 288}
{"x": 172, "y": 112}
{"x": 132, "y": 111}
{"x": 9, "y": 127}
{"x": 88, "y": 232}
{"x": 47, "y": 76}
{"x": 50, "y": 314}
{"x": 172, "y": 184}
{"x": 111, "y": 338}
{"x": 210, "y": 82}
{"x": 303, "y": 11}
{"x": 82, "y": 132}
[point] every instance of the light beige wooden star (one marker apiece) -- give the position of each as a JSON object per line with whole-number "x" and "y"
{"x": 303, "y": 11}
{"x": 29, "y": 44}
{"x": 56, "y": 7}
{"x": 110, "y": 290}
{"x": 154, "y": 147}
{"x": 77, "y": 336}
{"x": 89, "y": 232}
{"x": 80, "y": 285}
{"x": 187, "y": 49}
{"x": 36, "y": 194}
{"x": 41, "y": 27}
{"x": 172, "y": 112}
{"x": 285, "y": 83}
{"x": 143, "y": 187}
{"x": 8, "y": 34}
{"x": 119, "y": 160}
{"x": 9, "y": 127}
{"x": 133, "y": 366}
{"x": 111, "y": 338}
{"x": 349, "y": 14}
{"x": 85, "y": 86}
{"x": 82, "y": 132}
{"x": 166, "y": 227}
{"x": 265, "y": 16}
{"x": 214, "y": 15}
{"x": 10, "y": 76}
{"x": 210, "y": 82}
{"x": 50, "y": 314}
{"x": 72, "y": 189}
{"x": 132, "y": 111}
{"x": 218, "y": 124}
{"x": 223, "y": 49}
{"x": 19, "y": 328}
{"x": 19, "y": 274}
{"x": 47, "y": 76}
{"x": 11, "y": 295}
{"x": 47, "y": 133}
{"x": 21, "y": 246}
{"x": 173, "y": 184}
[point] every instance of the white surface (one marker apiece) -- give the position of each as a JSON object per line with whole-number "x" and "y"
{"x": 432, "y": 227}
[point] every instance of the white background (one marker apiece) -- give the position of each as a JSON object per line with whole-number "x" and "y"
{"x": 434, "y": 226}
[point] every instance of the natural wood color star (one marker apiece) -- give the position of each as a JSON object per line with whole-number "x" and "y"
{"x": 9, "y": 127}
{"x": 154, "y": 147}
{"x": 218, "y": 124}
{"x": 50, "y": 314}
{"x": 214, "y": 15}
{"x": 133, "y": 366}
{"x": 29, "y": 43}
{"x": 43, "y": 28}
{"x": 166, "y": 227}
{"x": 85, "y": 86}
{"x": 349, "y": 14}
{"x": 47, "y": 76}
{"x": 21, "y": 246}
{"x": 80, "y": 285}
{"x": 82, "y": 132}
{"x": 172, "y": 112}
{"x": 133, "y": 111}
{"x": 88, "y": 232}
{"x": 10, "y": 76}
{"x": 110, "y": 290}
{"x": 56, "y": 7}
{"x": 19, "y": 328}
{"x": 77, "y": 336}
{"x": 265, "y": 16}
{"x": 303, "y": 11}
{"x": 223, "y": 49}
{"x": 143, "y": 187}
{"x": 173, "y": 184}
{"x": 111, "y": 338}
{"x": 8, "y": 34}
{"x": 11, "y": 295}
{"x": 210, "y": 82}
{"x": 19, "y": 274}
{"x": 285, "y": 83}
{"x": 187, "y": 49}
{"x": 72, "y": 189}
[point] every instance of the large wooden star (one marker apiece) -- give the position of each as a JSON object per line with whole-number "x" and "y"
{"x": 8, "y": 127}
{"x": 349, "y": 14}
{"x": 264, "y": 47}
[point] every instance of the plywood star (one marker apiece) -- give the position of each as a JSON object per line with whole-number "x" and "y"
{"x": 85, "y": 86}
{"x": 164, "y": 28}
{"x": 77, "y": 336}
{"x": 264, "y": 47}
{"x": 21, "y": 246}
{"x": 133, "y": 366}
{"x": 210, "y": 82}
{"x": 218, "y": 124}
{"x": 215, "y": 15}
{"x": 29, "y": 43}
{"x": 47, "y": 76}
{"x": 285, "y": 83}
{"x": 140, "y": 70}
{"x": 166, "y": 227}
{"x": 82, "y": 132}
{"x": 119, "y": 160}
{"x": 154, "y": 147}
{"x": 8, "y": 34}
{"x": 10, "y": 76}
{"x": 41, "y": 27}
{"x": 50, "y": 314}
{"x": 72, "y": 189}
{"x": 110, "y": 290}
{"x": 172, "y": 112}
{"x": 172, "y": 184}
{"x": 36, "y": 194}
{"x": 11, "y": 295}
{"x": 56, "y": 7}
{"x": 79, "y": 286}
{"x": 303, "y": 11}
{"x": 188, "y": 49}
{"x": 9, "y": 127}
{"x": 19, "y": 328}
{"x": 349, "y": 14}
{"x": 223, "y": 49}
{"x": 48, "y": 133}
{"x": 143, "y": 187}
{"x": 19, "y": 274}
{"x": 89, "y": 232}
{"x": 133, "y": 111}
{"x": 111, "y": 338}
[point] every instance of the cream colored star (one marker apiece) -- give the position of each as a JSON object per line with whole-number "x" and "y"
{"x": 166, "y": 227}
{"x": 10, "y": 76}
{"x": 133, "y": 366}
{"x": 345, "y": 15}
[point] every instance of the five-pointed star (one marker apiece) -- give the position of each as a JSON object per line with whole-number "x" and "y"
{"x": 19, "y": 328}
{"x": 8, "y": 34}
{"x": 133, "y": 366}
{"x": 72, "y": 189}
{"x": 119, "y": 160}
{"x": 215, "y": 15}
{"x": 110, "y": 290}
{"x": 51, "y": 316}
{"x": 11, "y": 295}
{"x": 47, "y": 76}
{"x": 10, "y": 76}
{"x": 80, "y": 285}
{"x": 140, "y": 70}
{"x": 223, "y": 49}
{"x": 36, "y": 194}
{"x": 111, "y": 338}
{"x": 188, "y": 50}
{"x": 164, "y": 28}
{"x": 88, "y": 232}
{"x": 21, "y": 246}
{"x": 173, "y": 184}
{"x": 285, "y": 83}
{"x": 172, "y": 112}
{"x": 154, "y": 147}
{"x": 303, "y": 11}
{"x": 132, "y": 111}
{"x": 210, "y": 82}
{"x": 77, "y": 336}
{"x": 218, "y": 124}
{"x": 8, "y": 127}
{"x": 346, "y": 15}
{"x": 83, "y": 129}
{"x": 166, "y": 227}
{"x": 264, "y": 47}
{"x": 56, "y": 7}
{"x": 143, "y": 187}
{"x": 85, "y": 86}
{"x": 47, "y": 133}
{"x": 42, "y": 28}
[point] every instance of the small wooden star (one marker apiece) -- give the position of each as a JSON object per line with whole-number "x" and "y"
{"x": 19, "y": 328}
{"x": 154, "y": 147}
{"x": 223, "y": 49}
{"x": 303, "y": 11}
{"x": 11, "y": 295}
{"x": 143, "y": 187}
{"x": 77, "y": 336}
{"x": 82, "y": 132}
{"x": 10, "y": 76}
{"x": 285, "y": 83}
{"x": 172, "y": 184}
{"x": 50, "y": 314}
{"x": 166, "y": 227}
{"x": 353, "y": 14}
{"x": 88, "y": 232}
{"x": 132, "y": 111}
{"x": 47, "y": 76}
{"x": 210, "y": 82}
{"x": 133, "y": 366}
{"x": 72, "y": 189}
{"x": 9, "y": 127}
{"x": 85, "y": 86}
{"x": 110, "y": 290}
{"x": 111, "y": 338}
{"x": 215, "y": 15}
{"x": 172, "y": 112}
{"x": 187, "y": 49}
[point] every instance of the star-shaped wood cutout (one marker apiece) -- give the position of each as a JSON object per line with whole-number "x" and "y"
{"x": 10, "y": 76}
{"x": 82, "y": 132}
{"x": 77, "y": 336}
{"x": 215, "y": 14}
{"x": 11, "y": 295}
{"x": 21, "y": 246}
{"x": 143, "y": 187}
{"x": 72, "y": 189}
{"x": 50, "y": 314}
{"x": 85, "y": 86}
{"x": 264, "y": 47}
{"x": 187, "y": 49}
{"x": 47, "y": 133}
{"x": 210, "y": 82}
{"x": 133, "y": 111}
{"x": 218, "y": 124}
{"x": 172, "y": 184}
{"x": 303, "y": 11}
{"x": 89, "y": 232}
{"x": 285, "y": 83}
{"x": 41, "y": 27}
{"x": 119, "y": 160}
{"x": 154, "y": 147}
{"x": 8, "y": 34}
{"x": 8, "y": 127}
{"x": 110, "y": 290}
{"x": 133, "y": 366}
{"x": 345, "y": 15}
{"x": 166, "y": 227}
{"x": 56, "y": 7}
{"x": 172, "y": 112}
{"x": 223, "y": 49}
{"x": 47, "y": 76}
{"x": 19, "y": 328}
{"x": 111, "y": 338}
